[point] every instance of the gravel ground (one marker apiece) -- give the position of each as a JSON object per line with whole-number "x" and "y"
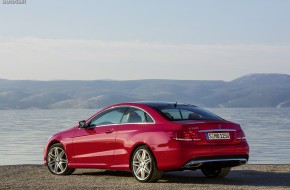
{"x": 243, "y": 177}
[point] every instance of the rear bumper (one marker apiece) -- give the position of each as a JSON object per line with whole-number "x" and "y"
{"x": 187, "y": 155}
{"x": 217, "y": 161}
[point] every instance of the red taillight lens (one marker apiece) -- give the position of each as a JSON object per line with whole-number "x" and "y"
{"x": 195, "y": 136}
{"x": 240, "y": 135}
{"x": 184, "y": 136}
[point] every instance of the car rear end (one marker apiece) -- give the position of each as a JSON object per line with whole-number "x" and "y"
{"x": 199, "y": 139}
{"x": 211, "y": 143}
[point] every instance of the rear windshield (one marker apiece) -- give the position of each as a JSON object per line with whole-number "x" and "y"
{"x": 186, "y": 113}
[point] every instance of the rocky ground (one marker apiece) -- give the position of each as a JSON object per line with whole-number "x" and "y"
{"x": 243, "y": 177}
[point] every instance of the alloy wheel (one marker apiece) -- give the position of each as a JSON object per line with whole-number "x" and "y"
{"x": 56, "y": 160}
{"x": 142, "y": 164}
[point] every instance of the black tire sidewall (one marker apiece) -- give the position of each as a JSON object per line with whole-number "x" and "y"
{"x": 211, "y": 174}
{"x": 216, "y": 172}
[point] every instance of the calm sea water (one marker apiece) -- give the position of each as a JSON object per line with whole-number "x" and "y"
{"x": 23, "y": 133}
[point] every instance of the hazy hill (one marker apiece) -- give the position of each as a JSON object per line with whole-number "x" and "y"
{"x": 255, "y": 90}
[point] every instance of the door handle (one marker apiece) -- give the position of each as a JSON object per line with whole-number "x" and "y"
{"x": 109, "y": 131}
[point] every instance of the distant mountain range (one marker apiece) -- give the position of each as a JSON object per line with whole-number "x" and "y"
{"x": 254, "y": 90}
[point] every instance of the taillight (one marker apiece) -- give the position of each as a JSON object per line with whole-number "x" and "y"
{"x": 195, "y": 136}
{"x": 240, "y": 135}
{"x": 184, "y": 136}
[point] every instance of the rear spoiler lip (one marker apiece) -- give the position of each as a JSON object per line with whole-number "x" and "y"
{"x": 217, "y": 130}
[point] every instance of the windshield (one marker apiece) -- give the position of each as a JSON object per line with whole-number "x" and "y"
{"x": 185, "y": 112}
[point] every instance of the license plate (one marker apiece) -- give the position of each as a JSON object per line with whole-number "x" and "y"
{"x": 217, "y": 136}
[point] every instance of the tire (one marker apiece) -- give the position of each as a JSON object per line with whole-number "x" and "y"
{"x": 216, "y": 172}
{"x": 56, "y": 160}
{"x": 143, "y": 165}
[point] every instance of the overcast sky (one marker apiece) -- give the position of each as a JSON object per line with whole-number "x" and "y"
{"x": 149, "y": 39}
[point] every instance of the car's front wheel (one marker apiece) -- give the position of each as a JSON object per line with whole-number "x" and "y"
{"x": 216, "y": 172}
{"x": 56, "y": 160}
{"x": 144, "y": 166}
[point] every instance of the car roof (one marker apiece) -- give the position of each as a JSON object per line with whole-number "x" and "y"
{"x": 161, "y": 104}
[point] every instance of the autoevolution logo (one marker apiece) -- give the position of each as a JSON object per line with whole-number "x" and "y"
{"x": 14, "y": 1}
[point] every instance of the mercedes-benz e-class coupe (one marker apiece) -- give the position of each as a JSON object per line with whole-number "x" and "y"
{"x": 149, "y": 138}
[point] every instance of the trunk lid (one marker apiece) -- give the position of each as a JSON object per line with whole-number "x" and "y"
{"x": 213, "y": 132}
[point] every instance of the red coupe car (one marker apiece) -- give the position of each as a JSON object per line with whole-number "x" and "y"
{"x": 149, "y": 138}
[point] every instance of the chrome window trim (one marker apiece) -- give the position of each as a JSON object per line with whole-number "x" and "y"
{"x": 141, "y": 110}
{"x": 122, "y": 124}
{"x": 110, "y": 108}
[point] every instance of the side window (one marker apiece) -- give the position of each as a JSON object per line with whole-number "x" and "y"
{"x": 112, "y": 116}
{"x": 148, "y": 118}
{"x": 134, "y": 115}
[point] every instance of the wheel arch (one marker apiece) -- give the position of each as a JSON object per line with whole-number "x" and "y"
{"x": 54, "y": 142}
{"x": 47, "y": 148}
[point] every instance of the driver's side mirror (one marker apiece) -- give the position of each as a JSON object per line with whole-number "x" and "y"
{"x": 82, "y": 124}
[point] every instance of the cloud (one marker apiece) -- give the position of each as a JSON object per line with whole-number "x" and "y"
{"x": 47, "y": 59}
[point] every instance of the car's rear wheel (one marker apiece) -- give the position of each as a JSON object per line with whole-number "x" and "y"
{"x": 143, "y": 165}
{"x": 216, "y": 172}
{"x": 56, "y": 160}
